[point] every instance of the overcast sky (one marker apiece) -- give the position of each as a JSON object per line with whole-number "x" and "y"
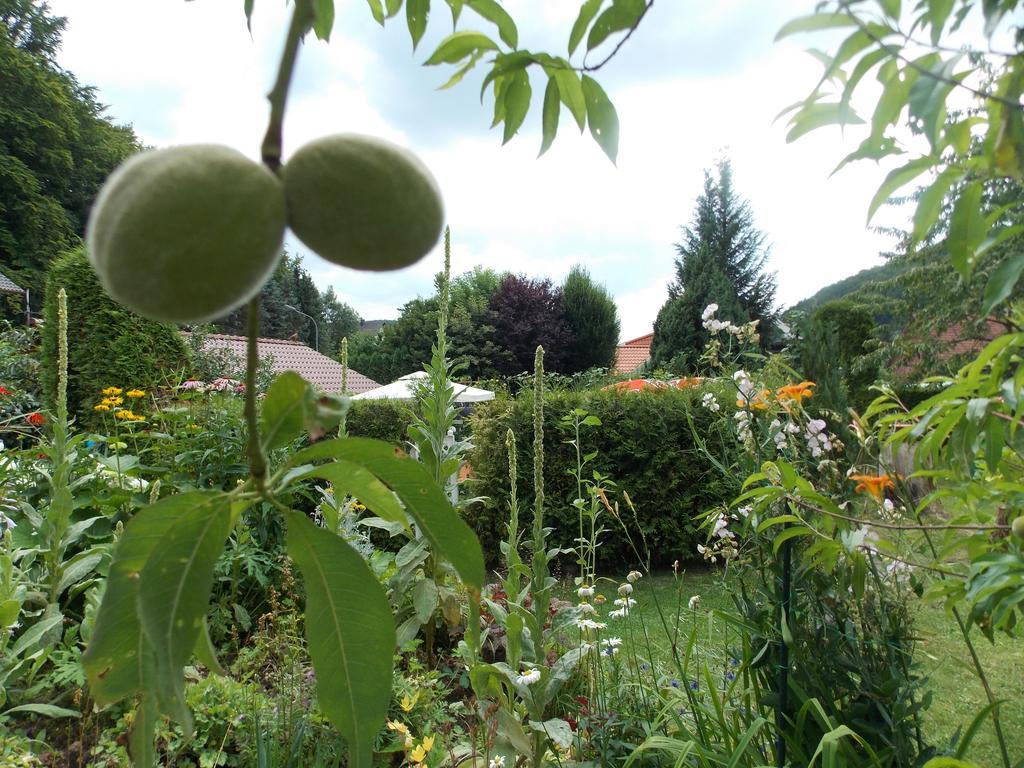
{"x": 696, "y": 82}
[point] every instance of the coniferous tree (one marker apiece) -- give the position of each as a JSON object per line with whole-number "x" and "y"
{"x": 720, "y": 260}
{"x": 593, "y": 318}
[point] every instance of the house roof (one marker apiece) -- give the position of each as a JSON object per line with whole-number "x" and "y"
{"x": 640, "y": 341}
{"x": 318, "y": 369}
{"x": 8, "y": 286}
{"x": 630, "y": 355}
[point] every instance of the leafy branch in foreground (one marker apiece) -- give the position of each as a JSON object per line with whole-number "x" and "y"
{"x": 965, "y": 103}
{"x": 567, "y": 84}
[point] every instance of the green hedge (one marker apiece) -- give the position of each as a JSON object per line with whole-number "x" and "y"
{"x": 381, "y": 419}
{"x": 644, "y": 444}
{"x": 108, "y": 345}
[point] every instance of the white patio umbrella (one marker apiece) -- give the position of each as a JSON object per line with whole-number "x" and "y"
{"x": 405, "y": 389}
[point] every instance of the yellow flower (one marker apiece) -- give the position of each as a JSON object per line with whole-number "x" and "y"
{"x": 407, "y": 703}
{"x": 112, "y": 401}
{"x": 419, "y": 754}
{"x": 126, "y": 415}
{"x": 135, "y": 393}
{"x": 101, "y": 407}
{"x": 112, "y": 391}
{"x": 402, "y": 730}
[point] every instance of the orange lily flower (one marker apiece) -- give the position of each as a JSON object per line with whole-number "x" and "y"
{"x": 795, "y": 392}
{"x": 876, "y": 485}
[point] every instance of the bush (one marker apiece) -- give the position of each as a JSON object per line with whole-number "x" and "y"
{"x": 107, "y": 344}
{"x": 381, "y": 419}
{"x": 644, "y": 444}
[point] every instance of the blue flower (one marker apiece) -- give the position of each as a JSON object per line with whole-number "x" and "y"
{"x": 693, "y": 685}
{"x": 674, "y": 683}
{"x": 644, "y": 667}
{"x": 730, "y": 676}
{"x": 734, "y": 661}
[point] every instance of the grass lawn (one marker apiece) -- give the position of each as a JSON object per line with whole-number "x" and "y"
{"x": 941, "y": 654}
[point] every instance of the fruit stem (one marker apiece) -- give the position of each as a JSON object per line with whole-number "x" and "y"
{"x": 302, "y": 17}
{"x": 257, "y": 461}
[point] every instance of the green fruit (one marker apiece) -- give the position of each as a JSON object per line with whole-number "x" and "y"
{"x": 1018, "y": 527}
{"x": 187, "y": 234}
{"x": 362, "y": 202}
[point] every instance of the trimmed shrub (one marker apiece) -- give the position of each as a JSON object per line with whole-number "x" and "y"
{"x": 108, "y": 345}
{"x": 644, "y": 444}
{"x": 380, "y": 419}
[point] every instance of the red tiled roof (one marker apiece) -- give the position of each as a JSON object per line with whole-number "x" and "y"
{"x": 319, "y": 370}
{"x": 640, "y": 341}
{"x": 951, "y": 343}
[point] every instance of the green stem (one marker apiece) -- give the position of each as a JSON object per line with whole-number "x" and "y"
{"x": 270, "y": 151}
{"x": 257, "y": 461}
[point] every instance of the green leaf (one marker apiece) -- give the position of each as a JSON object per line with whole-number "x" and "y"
{"x": 424, "y": 502}
{"x": 9, "y": 612}
{"x": 391, "y": 7}
{"x": 31, "y": 638}
{"x": 350, "y": 633}
{"x": 570, "y": 90}
{"x": 377, "y": 10}
{"x": 248, "y": 14}
{"x": 112, "y": 660}
{"x": 283, "y": 414}
{"x": 498, "y": 16}
{"x": 587, "y": 12}
{"x": 416, "y": 12}
{"x": 896, "y": 179}
{"x": 424, "y": 599}
{"x": 174, "y": 595}
{"x": 549, "y": 119}
{"x": 622, "y": 15}
{"x": 46, "y": 710}
{"x": 929, "y": 204}
{"x": 323, "y": 18}
{"x": 205, "y": 650}
{"x": 817, "y": 115}
{"x": 350, "y": 479}
{"x": 1001, "y": 283}
{"x": 927, "y": 98}
{"x": 458, "y": 46}
{"x": 517, "y": 103}
{"x": 815, "y": 22}
{"x": 462, "y": 71}
{"x": 967, "y": 228}
{"x": 601, "y": 117}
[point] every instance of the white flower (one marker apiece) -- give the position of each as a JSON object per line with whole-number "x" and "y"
{"x": 888, "y": 505}
{"x": 702, "y": 549}
{"x": 586, "y": 609}
{"x": 626, "y": 589}
{"x": 619, "y": 613}
{"x": 590, "y": 624}
{"x": 709, "y": 310}
{"x": 625, "y": 602}
{"x": 694, "y": 602}
{"x": 531, "y": 675}
{"x": 633, "y": 576}
{"x": 585, "y": 591}
{"x": 612, "y": 642}
{"x": 709, "y": 402}
{"x": 814, "y": 426}
{"x": 497, "y": 762}
{"x": 744, "y": 511}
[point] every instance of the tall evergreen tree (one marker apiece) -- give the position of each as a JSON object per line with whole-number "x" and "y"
{"x": 720, "y": 260}
{"x": 56, "y": 145}
{"x": 593, "y": 318}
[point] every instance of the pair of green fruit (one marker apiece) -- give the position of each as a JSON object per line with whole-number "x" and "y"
{"x": 189, "y": 233}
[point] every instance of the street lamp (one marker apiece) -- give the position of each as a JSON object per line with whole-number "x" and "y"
{"x": 316, "y": 328}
